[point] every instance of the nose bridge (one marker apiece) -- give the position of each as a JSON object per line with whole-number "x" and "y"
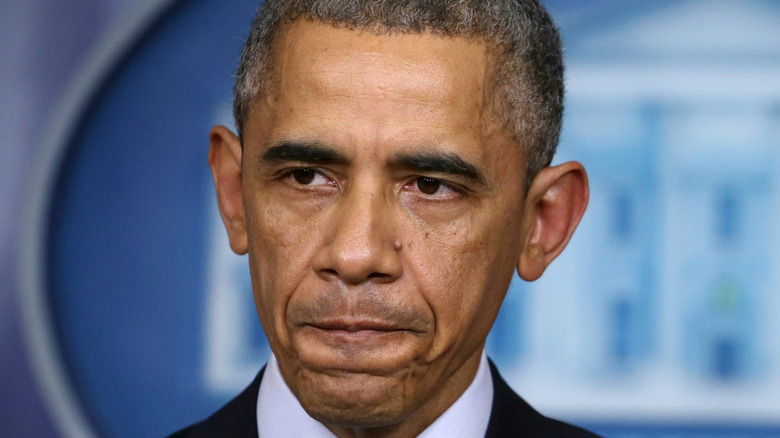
{"x": 359, "y": 212}
{"x": 363, "y": 240}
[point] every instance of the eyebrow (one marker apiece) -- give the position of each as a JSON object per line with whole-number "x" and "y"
{"x": 441, "y": 162}
{"x": 304, "y": 152}
{"x": 313, "y": 152}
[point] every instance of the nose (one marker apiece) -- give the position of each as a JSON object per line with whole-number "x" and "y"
{"x": 362, "y": 243}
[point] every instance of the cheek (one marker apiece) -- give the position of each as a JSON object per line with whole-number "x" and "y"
{"x": 280, "y": 236}
{"x": 280, "y": 249}
{"x": 463, "y": 269}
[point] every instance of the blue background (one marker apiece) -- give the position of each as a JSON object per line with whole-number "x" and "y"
{"x": 127, "y": 247}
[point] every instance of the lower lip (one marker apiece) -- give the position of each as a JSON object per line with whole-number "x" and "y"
{"x": 366, "y": 337}
{"x": 361, "y": 351}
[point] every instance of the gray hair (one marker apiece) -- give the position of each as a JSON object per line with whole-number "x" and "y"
{"x": 528, "y": 70}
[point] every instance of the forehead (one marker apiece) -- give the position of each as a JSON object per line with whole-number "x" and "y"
{"x": 319, "y": 60}
{"x": 379, "y": 93}
{"x": 318, "y": 50}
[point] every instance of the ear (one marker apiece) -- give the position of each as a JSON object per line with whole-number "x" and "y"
{"x": 225, "y": 161}
{"x": 554, "y": 206}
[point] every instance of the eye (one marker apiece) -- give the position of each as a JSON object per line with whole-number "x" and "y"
{"x": 429, "y": 186}
{"x": 432, "y": 186}
{"x": 308, "y": 177}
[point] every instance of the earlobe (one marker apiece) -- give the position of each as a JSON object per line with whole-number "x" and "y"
{"x": 554, "y": 206}
{"x": 225, "y": 160}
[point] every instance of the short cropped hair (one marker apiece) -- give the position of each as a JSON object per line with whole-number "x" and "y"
{"x": 527, "y": 75}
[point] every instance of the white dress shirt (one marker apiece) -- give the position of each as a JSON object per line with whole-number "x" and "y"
{"x": 280, "y": 415}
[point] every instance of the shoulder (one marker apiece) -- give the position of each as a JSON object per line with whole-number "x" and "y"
{"x": 238, "y": 418}
{"x": 512, "y": 416}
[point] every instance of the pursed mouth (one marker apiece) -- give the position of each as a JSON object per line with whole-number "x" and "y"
{"x": 359, "y": 326}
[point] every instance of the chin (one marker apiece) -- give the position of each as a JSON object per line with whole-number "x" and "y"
{"x": 355, "y": 400}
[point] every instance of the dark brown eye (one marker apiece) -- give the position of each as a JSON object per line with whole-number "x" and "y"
{"x": 304, "y": 176}
{"x": 429, "y": 186}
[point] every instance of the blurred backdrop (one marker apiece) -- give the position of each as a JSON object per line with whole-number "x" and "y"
{"x": 124, "y": 314}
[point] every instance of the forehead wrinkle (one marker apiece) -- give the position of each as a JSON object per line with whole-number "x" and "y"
{"x": 372, "y": 57}
{"x": 283, "y": 48}
{"x": 381, "y": 61}
{"x": 354, "y": 80}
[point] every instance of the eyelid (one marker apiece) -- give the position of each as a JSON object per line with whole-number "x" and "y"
{"x": 456, "y": 189}
{"x": 287, "y": 173}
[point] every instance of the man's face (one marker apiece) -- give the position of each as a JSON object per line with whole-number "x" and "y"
{"x": 383, "y": 216}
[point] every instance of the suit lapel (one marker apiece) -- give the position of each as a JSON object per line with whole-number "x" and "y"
{"x": 511, "y": 416}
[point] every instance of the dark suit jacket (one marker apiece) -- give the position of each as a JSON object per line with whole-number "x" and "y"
{"x": 511, "y": 417}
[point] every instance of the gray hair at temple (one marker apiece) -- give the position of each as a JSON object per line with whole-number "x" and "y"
{"x": 522, "y": 38}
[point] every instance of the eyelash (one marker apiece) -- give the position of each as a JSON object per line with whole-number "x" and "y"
{"x": 413, "y": 184}
{"x": 309, "y": 172}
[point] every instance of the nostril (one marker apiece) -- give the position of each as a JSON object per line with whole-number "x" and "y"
{"x": 329, "y": 272}
{"x": 378, "y": 276}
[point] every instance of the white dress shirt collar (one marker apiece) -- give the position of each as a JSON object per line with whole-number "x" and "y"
{"x": 280, "y": 415}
